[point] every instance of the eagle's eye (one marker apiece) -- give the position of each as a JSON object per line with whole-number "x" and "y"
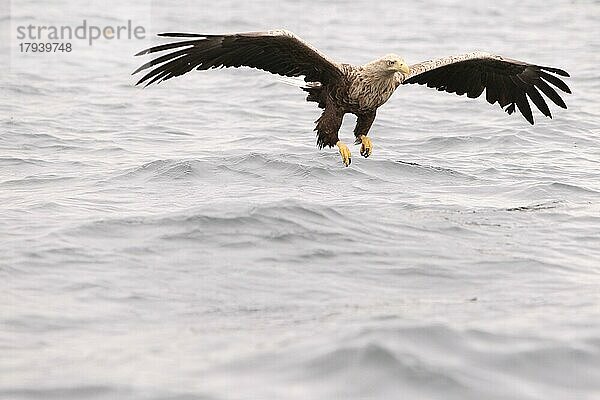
{"x": 390, "y": 63}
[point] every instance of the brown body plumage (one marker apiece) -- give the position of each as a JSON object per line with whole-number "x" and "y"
{"x": 343, "y": 88}
{"x": 361, "y": 91}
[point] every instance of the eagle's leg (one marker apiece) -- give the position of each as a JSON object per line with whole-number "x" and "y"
{"x": 363, "y": 124}
{"x": 327, "y": 128}
{"x": 344, "y": 152}
{"x": 366, "y": 146}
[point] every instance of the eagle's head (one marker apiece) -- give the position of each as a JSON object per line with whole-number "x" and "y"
{"x": 389, "y": 64}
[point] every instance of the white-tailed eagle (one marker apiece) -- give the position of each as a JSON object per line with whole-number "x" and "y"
{"x": 343, "y": 88}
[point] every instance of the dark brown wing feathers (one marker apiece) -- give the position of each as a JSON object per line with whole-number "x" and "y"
{"x": 278, "y": 52}
{"x": 510, "y": 83}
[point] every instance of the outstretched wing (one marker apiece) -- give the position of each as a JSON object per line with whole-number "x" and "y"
{"x": 279, "y": 52}
{"x": 506, "y": 82}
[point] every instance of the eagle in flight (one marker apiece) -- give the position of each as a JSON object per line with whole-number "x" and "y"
{"x": 340, "y": 88}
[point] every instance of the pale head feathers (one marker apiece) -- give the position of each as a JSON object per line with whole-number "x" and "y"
{"x": 387, "y": 65}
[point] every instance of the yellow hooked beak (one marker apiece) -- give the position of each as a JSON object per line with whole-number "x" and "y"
{"x": 404, "y": 69}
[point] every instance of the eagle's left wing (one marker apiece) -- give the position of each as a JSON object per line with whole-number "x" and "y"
{"x": 507, "y": 82}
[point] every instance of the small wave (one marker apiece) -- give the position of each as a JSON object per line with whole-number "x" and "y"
{"x": 119, "y": 106}
{"x": 286, "y": 166}
{"x": 436, "y": 169}
{"x": 36, "y": 323}
{"x": 162, "y": 169}
{"x": 571, "y": 188}
{"x": 274, "y": 219}
{"x": 38, "y": 180}
{"x": 374, "y": 365}
{"x": 554, "y": 190}
{"x": 26, "y": 89}
{"x": 66, "y": 393}
{"x": 231, "y": 226}
{"x": 536, "y": 207}
{"x": 16, "y": 161}
{"x": 500, "y": 139}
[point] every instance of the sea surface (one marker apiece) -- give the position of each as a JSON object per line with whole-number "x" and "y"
{"x": 189, "y": 241}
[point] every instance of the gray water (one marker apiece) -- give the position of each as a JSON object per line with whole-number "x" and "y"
{"x": 188, "y": 240}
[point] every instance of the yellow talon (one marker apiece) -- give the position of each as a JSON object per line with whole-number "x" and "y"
{"x": 344, "y": 152}
{"x": 366, "y": 148}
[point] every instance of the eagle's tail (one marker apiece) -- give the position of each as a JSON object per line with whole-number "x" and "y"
{"x": 314, "y": 89}
{"x": 315, "y": 93}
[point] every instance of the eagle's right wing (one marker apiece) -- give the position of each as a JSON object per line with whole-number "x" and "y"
{"x": 279, "y": 52}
